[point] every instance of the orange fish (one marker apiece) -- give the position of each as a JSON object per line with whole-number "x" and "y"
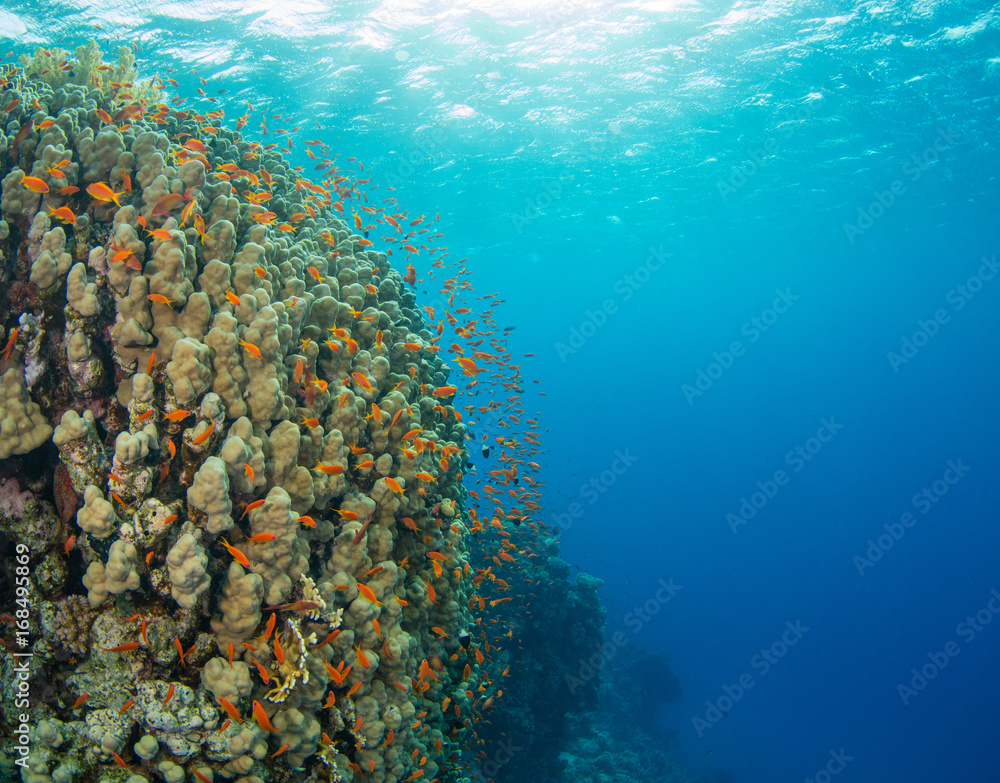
{"x": 103, "y": 193}
{"x": 249, "y": 471}
{"x": 329, "y": 470}
{"x": 80, "y": 700}
{"x": 233, "y": 298}
{"x": 238, "y": 556}
{"x": 70, "y": 543}
{"x": 178, "y": 415}
{"x": 170, "y": 694}
{"x": 160, "y": 299}
{"x": 231, "y": 710}
{"x": 251, "y": 506}
{"x": 261, "y": 670}
{"x": 330, "y": 637}
{"x": 65, "y": 214}
{"x": 262, "y": 538}
{"x": 366, "y": 591}
{"x": 392, "y": 484}
{"x": 363, "y": 382}
{"x": 354, "y": 689}
{"x": 261, "y": 716}
{"x": 205, "y": 435}
{"x": 270, "y": 627}
{"x": 35, "y": 184}
{"x": 123, "y": 647}
{"x": 252, "y": 349}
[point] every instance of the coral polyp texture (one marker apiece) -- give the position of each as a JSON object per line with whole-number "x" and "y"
{"x": 231, "y": 451}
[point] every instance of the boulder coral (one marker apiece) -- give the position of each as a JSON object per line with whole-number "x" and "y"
{"x": 243, "y": 418}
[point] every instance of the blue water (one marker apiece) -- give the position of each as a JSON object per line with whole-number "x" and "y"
{"x": 836, "y": 158}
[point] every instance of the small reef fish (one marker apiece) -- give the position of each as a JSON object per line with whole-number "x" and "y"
{"x": 238, "y": 556}
{"x": 65, "y": 214}
{"x": 251, "y": 506}
{"x": 329, "y": 470}
{"x": 262, "y": 538}
{"x": 35, "y": 184}
{"x": 230, "y": 710}
{"x": 123, "y": 647}
{"x": 205, "y": 435}
{"x": 261, "y": 717}
{"x": 101, "y": 192}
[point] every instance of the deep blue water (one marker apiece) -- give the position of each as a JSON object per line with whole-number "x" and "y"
{"x": 759, "y": 145}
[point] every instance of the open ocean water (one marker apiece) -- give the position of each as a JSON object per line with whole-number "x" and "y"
{"x": 754, "y": 248}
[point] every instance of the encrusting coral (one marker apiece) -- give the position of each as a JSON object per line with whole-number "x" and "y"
{"x": 255, "y": 417}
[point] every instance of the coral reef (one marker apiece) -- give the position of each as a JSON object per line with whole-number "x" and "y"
{"x": 579, "y": 704}
{"x": 242, "y": 465}
{"x": 541, "y": 693}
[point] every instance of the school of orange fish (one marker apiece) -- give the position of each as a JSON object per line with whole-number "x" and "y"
{"x": 504, "y": 495}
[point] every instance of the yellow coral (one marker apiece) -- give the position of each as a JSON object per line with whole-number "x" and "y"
{"x": 88, "y": 68}
{"x": 293, "y": 668}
